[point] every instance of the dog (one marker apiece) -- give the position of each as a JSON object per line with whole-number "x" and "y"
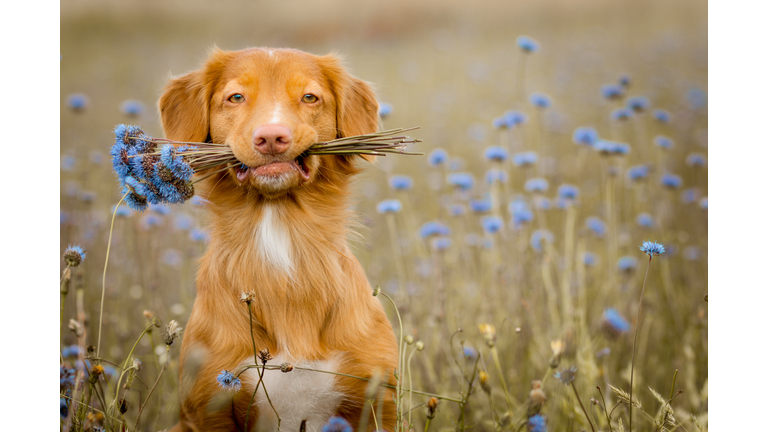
{"x": 278, "y": 226}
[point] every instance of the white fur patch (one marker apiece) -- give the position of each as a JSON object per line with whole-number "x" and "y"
{"x": 296, "y": 396}
{"x": 276, "y": 115}
{"x": 272, "y": 240}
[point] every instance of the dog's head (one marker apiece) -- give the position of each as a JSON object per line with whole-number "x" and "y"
{"x": 270, "y": 106}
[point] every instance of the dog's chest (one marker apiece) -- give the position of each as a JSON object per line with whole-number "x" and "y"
{"x": 297, "y": 396}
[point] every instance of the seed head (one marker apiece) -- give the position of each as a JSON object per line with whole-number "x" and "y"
{"x": 567, "y": 375}
{"x": 286, "y": 367}
{"x": 431, "y": 407}
{"x": 172, "y": 332}
{"x": 489, "y": 334}
{"x": 74, "y": 255}
{"x": 265, "y": 356}
{"x": 376, "y": 290}
{"x": 484, "y": 384}
{"x": 419, "y": 346}
{"x": 247, "y": 297}
{"x": 75, "y": 327}
{"x": 409, "y": 339}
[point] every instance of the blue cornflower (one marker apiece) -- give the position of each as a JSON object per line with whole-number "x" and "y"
{"x": 585, "y": 136}
{"x": 176, "y": 163}
{"x": 63, "y": 217}
{"x": 621, "y": 149}
{"x": 437, "y": 157}
{"x": 689, "y": 195}
{"x": 337, "y": 424}
{"x": 612, "y": 91}
{"x": 66, "y": 376}
{"x": 637, "y": 172}
{"x": 691, "y": 253}
{"x": 63, "y": 408}
{"x": 228, "y": 381}
{"x": 596, "y": 225}
{"x": 652, "y": 248}
{"x": 509, "y": 120}
{"x": 74, "y": 255}
{"x": 638, "y": 103}
{"x": 389, "y": 206}
{"x": 662, "y": 116}
{"x": 430, "y": 229}
{"x": 671, "y": 181}
{"x": 524, "y": 159}
{"x": 385, "y": 110}
{"x": 481, "y": 206}
{"x": 67, "y": 163}
{"x": 704, "y": 203}
{"x": 492, "y": 224}
{"x": 615, "y": 322}
{"x": 463, "y": 181}
{"x": 542, "y": 203}
{"x": 77, "y": 102}
{"x": 589, "y": 259}
{"x": 540, "y": 100}
{"x": 96, "y": 157}
{"x": 697, "y": 98}
{"x": 496, "y": 153}
{"x": 198, "y": 235}
{"x": 441, "y": 243}
{"x": 172, "y": 257}
{"x": 150, "y": 220}
{"x": 521, "y": 216}
{"x": 627, "y": 263}
{"x": 537, "y": 423}
{"x": 696, "y": 159}
{"x": 183, "y": 222}
{"x": 644, "y": 220}
{"x": 625, "y": 81}
{"x": 160, "y": 209}
{"x": 663, "y": 142}
{"x": 132, "y": 108}
{"x": 123, "y": 211}
{"x": 536, "y": 185}
{"x": 401, "y": 182}
{"x": 606, "y": 147}
{"x": 621, "y": 114}
{"x": 470, "y": 352}
{"x": 568, "y": 192}
{"x": 566, "y": 375}
{"x": 527, "y": 44}
{"x": 538, "y": 236}
{"x": 70, "y": 351}
{"x": 457, "y": 209}
{"x": 494, "y": 175}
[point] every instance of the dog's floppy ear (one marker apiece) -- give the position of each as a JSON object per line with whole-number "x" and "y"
{"x": 357, "y": 111}
{"x": 184, "y": 105}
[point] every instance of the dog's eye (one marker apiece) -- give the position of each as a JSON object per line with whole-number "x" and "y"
{"x": 237, "y": 98}
{"x": 309, "y": 98}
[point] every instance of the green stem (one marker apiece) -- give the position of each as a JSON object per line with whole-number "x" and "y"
{"x": 125, "y": 363}
{"x": 634, "y": 343}
{"x": 605, "y": 409}
{"x": 495, "y": 354}
{"x": 399, "y": 360}
{"x": 104, "y": 276}
{"x": 582, "y": 407}
{"x": 165, "y": 365}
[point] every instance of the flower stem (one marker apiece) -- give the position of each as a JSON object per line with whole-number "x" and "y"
{"x": 634, "y": 344}
{"x": 582, "y": 407}
{"x": 104, "y": 276}
{"x": 165, "y": 365}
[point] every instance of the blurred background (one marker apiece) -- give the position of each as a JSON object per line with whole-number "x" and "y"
{"x": 539, "y": 263}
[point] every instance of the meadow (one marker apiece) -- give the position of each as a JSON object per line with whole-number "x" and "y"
{"x": 512, "y": 251}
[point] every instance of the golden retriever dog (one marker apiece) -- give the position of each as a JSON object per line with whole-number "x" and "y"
{"x": 278, "y": 225}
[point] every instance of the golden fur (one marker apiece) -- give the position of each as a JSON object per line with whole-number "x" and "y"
{"x": 323, "y": 307}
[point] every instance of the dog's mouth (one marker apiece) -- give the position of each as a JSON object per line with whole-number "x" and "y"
{"x": 274, "y": 169}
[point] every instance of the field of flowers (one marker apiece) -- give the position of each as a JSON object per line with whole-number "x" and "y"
{"x": 558, "y": 137}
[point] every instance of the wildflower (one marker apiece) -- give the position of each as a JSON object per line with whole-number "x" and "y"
{"x": 689, "y": 195}
{"x": 521, "y": 216}
{"x": 437, "y": 157}
{"x": 441, "y": 243}
{"x": 589, "y": 259}
{"x": 567, "y": 375}
{"x": 637, "y": 172}
{"x": 542, "y": 203}
{"x": 524, "y": 159}
{"x": 691, "y": 253}
{"x": 228, "y": 381}
{"x": 70, "y": 351}
{"x": 198, "y": 235}
{"x": 172, "y": 332}
{"x": 63, "y": 408}
{"x": 385, "y": 110}
{"x": 509, "y": 120}
{"x": 432, "y": 407}
{"x": 696, "y": 98}
{"x": 607, "y": 148}
{"x": 704, "y": 203}
{"x": 558, "y": 348}
{"x": 77, "y": 102}
{"x": 663, "y": 142}
{"x": 480, "y": 206}
{"x": 537, "y": 423}
{"x": 337, "y": 424}
{"x": 265, "y": 356}
{"x": 160, "y": 209}
{"x": 150, "y": 220}
{"x": 132, "y": 108}
{"x": 621, "y": 114}
{"x": 286, "y": 367}
{"x": 463, "y": 181}
{"x": 470, "y": 353}
{"x": 247, "y": 297}
{"x": 596, "y": 225}
{"x": 671, "y": 181}
{"x": 612, "y": 91}
{"x": 627, "y": 264}
{"x": 662, "y": 116}
{"x": 492, "y": 224}
{"x": 483, "y": 375}
{"x": 457, "y": 209}
{"x": 625, "y": 81}
{"x": 419, "y": 346}
{"x": 638, "y": 103}
{"x": 494, "y": 175}
{"x": 538, "y": 236}
{"x": 585, "y": 136}
{"x": 614, "y": 323}
{"x": 644, "y": 220}
{"x": 536, "y": 398}
{"x": 74, "y": 255}
{"x": 66, "y": 376}
{"x": 568, "y": 192}
{"x": 67, "y": 163}
{"x": 696, "y": 159}
{"x": 496, "y": 154}
{"x": 652, "y": 248}
{"x": 489, "y": 334}
{"x": 76, "y": 328}
{"x": 183, "y": 222}
{"x": 540, "y": 100}
{"x": 401, "y": 182}
{"x": 536, "y": 185}
{"x": 389, "y": 206}
{"x": 430, "y": 229}
{"x": 527, "y": 44}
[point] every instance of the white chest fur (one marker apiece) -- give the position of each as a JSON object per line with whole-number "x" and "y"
{"x": 296, "y": 396}
{"x": 273, "y": 241}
